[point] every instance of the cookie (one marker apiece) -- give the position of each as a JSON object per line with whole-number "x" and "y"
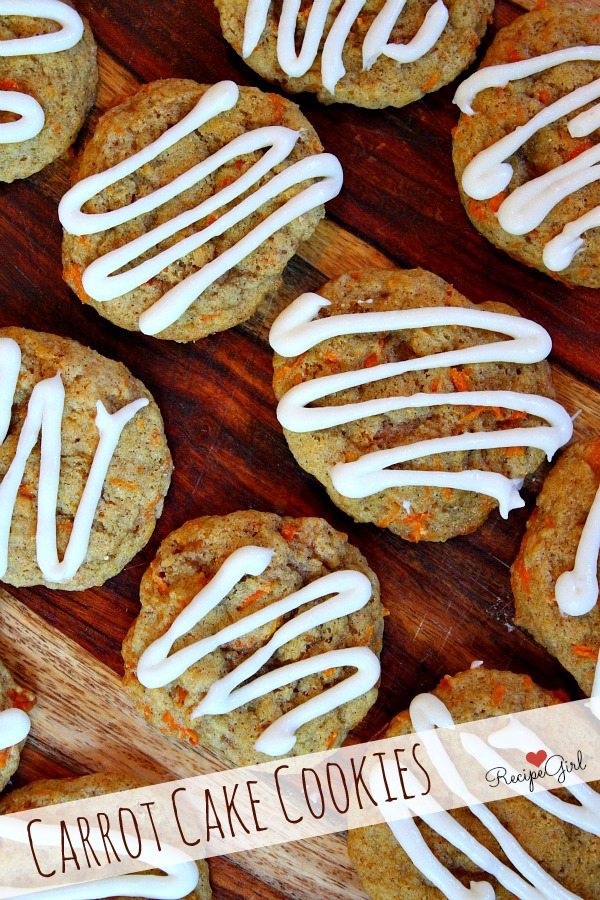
{"x": 400, "y": 433}
{"x": 202, "y": 194}
{"x": 526, "y": 146}
{"x": 48, "y": 78}
{"x": 554, "y": 577}
{"x": 386, "y": 54}
{"x": 568, "y": 854}
{"x": 246, "y": 592}
{"x": 78, "y": 504}
{"x": 15, "y": 703}
{"x": 49, "y": 792}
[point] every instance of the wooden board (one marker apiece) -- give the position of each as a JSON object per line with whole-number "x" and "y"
{"x": 449, "y": 603}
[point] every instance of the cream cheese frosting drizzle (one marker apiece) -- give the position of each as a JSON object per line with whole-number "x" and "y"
{"x": 31, "y": 115}
{"x": 102, "y": 279}
{"x": 14, "y": 727}
{"x": 44, "y": 417}
{"x": 376, "y": 42}
{"x": 297, "y": 330}
{"x": 528, "y": 880}
{"x": 577, "y": 591}
{"x": 351, "y": 591}
{"x": 490, "y": 173}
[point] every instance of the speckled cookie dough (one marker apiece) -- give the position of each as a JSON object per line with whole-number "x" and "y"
{"x": 305, "y": 550}
{"x": 137, "y": 479}
{"x": 388, "y": 82}
{"x": 49, "y": 792}
{"x": 565, "y": 852}
{"x": 548, "y": 549}
{"x": 12, "y": 697}
{"x": 499, "y": 111}
{"x": 63, "y": 83}
{"x": 413, "y": 513}
{"x": 136, "y": 123}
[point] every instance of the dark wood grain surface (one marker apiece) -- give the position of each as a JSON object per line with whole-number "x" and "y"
{"x": 450, "y": 604}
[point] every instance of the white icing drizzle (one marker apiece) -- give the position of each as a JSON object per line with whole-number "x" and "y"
{"x": 31, "y": 114}
{"x": 14, "y": 727}
{"x": 489, "y": 173}
{"x": 376, "y": 43}
{"x": 296, "y": 330}
{"x": 351, "y": 591}
{"x": 44, "y": 416}
{"x": 530, "y": 881}
{"x": 100, "y": 280}
{"x": 577, "y": 590}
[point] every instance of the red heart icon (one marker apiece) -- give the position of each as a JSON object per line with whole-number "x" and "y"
{"x": 536, "y": 759}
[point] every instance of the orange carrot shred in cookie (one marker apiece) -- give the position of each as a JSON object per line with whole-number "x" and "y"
{"x": 584, "y": 651}
{"x": 19, "y": 698}
{"x": 460, "y": 380}
{"x": 332, "y": 739}
{"x": 498, "y": 693}
{"x": 289, "y": 531}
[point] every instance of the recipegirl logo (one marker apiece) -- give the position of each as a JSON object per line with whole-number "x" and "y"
{"x": 541, "y": 765}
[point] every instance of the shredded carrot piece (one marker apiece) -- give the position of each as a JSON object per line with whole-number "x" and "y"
{"x": 332, "y": 739}
{"x": 159, "y": 581}
{"x": 328, "y": 672}
{"x": 498, "y": 693}
{"x": 460, "y": 380}
{"x": 447, "y": 493}
{"x": 8, "y": 85}
{"x": 431, "y": 82}
{"x": 527, "y": 682}
{"x": 184, "y": 733}
{"x": 180, "y": 695}
{"x": 255, "y": 596}
{"x": 584, "y": 651}
{"x": 289, "y": 531}
{"x": 522, "y": 572}
{"x": 4, "y": 755}
{"x": 73, "y": 275}
{"x": 128, "y": 485}
{"x": 496, "y": 202}
{"x": 19, "y": 698}
{"x": 371, "y": 360}
{"x": 391, "y": 516}
{"x": 445, "y": 683}
{"x": 417, "y": 521}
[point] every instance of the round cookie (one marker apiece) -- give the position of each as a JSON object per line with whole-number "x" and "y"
{"x": 414, "y": 513}
{"x": 565, "y": 852}
{"x": 138, "y": 474}
{"x": 63, "y": 83}
{"x": 498, "y": 111}
{"x": 548, "y": 549}
{"x": 11, "y": 697}
{"x": 387, "y": 82}
{"x": 49, "y": 792}
{"x": 135, "y": 124}
{"x": 304, "y": 551}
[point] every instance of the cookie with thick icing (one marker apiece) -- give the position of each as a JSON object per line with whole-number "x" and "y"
{"x": 555, "y": 575}
{"x": 48, "y": 77}
{"x": 188, "y": 203}
{"x": 49, "y": 792}
{"x": 245, "y": 593}
{"x": 410, "y": 404}
{"x": 15, "y": 703}
{"x": 433, "y": 867}
{"x": 84, "y": 463}
{"x": 375, "y": 53}
{"x": 526, "y": 147}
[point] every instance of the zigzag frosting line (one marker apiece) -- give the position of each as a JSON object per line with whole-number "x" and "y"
{"x": 44, "y": 417}
{"x": 489, "y": 173}
{"x": 31, "y": 115}
{"x": 14, "y": 727}
{"x": 351, "y": 591}
{"x": 100, "y": 280}
{"x": 376, "y": 43}
{"x": 297, "y": 330}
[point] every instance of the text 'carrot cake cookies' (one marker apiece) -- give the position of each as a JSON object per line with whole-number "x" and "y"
{"x": 190, "y": 200}
{"x": 183, "y": 881}
{"x": 15, "y": 703}
{"x": 84, "y": 463}
{"x": 538, "y": 845}
{"x": 555, "y": 576}
{"x": 48, "y": 77}
{"x": 526, "y": 148}
{"x": 410, "y": 404}
{"x": 372, "y": 53}
{"x": 259, "y": 636}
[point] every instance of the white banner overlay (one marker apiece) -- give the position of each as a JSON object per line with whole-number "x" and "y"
{"x": 164, "y": 827}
